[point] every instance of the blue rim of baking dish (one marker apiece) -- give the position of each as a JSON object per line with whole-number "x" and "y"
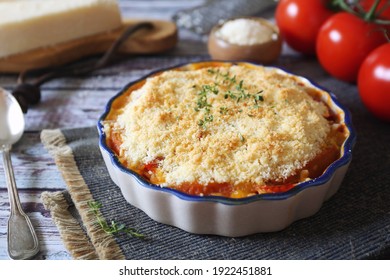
{"x": 325, "y": 177}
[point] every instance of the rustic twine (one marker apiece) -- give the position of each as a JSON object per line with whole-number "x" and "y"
{"x": 95, "y": 243}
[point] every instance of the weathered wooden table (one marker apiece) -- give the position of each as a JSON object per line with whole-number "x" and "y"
{"x": 78, "y": 102}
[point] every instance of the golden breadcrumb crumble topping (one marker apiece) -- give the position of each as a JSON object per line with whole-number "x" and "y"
{"x": 235, "y": 124}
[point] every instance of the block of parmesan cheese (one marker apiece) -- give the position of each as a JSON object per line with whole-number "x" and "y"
{"x": 26, "y": 25}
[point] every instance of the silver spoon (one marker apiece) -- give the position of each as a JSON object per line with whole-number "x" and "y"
{"x": 22, "y": 239}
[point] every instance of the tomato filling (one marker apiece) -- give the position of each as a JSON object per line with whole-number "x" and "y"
{"x": 152, "y": 173}
{"x": 232, "y": 191}
{"x": 313, "y": 169}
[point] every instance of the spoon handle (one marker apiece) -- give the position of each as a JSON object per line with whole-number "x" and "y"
{"x": 22, "y": 239}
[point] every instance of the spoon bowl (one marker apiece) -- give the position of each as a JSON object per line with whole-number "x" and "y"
{"x": 22, "y": 239}
{"x": 11, "y": 119}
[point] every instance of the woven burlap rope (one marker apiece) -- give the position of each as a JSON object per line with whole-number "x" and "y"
{"x": 94, "y": 243}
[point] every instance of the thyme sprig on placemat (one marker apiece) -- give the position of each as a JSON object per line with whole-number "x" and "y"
{"x": 113, "y": 227}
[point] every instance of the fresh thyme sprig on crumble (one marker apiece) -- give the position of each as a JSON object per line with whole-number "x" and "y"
{"x": 112, "y": 228}
{"x": 202, "y": 103}
{"x": 237, "y": 93}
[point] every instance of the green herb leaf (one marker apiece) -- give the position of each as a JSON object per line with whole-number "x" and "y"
{"x": 113, "y": 227}
{"x": 237, "y": 93}
{"x": 206, "y": 119}
{"x": 223, "y": 110}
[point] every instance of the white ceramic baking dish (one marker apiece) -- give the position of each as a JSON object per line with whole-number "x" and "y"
{"x": 227, "y": 216}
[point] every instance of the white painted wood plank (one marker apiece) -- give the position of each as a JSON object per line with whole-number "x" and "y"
{"x": 34, "y": 168}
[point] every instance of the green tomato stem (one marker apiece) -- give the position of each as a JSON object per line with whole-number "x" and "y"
{"x": 344, "y": 6}
{"x": 370, "y": 15}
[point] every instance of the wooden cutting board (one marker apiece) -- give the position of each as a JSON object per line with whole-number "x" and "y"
{"x": 162, "y": 37}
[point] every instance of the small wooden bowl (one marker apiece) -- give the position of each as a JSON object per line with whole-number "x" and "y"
{"x": 264, "y": 53}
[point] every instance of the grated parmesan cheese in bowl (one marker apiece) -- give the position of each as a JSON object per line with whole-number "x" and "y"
{"x": 249, "y": 39}
{"x": 245, "y": 31}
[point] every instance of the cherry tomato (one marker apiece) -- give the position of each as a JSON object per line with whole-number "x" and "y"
{"x": 344, "y": 41}
{"x": 374, "y": 82}
{"x": 383, "y": 8}
{"x": 299, "y": 22}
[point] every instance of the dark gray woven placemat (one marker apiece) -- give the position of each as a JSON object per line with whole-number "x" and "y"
{"x": 353, "y": 224}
